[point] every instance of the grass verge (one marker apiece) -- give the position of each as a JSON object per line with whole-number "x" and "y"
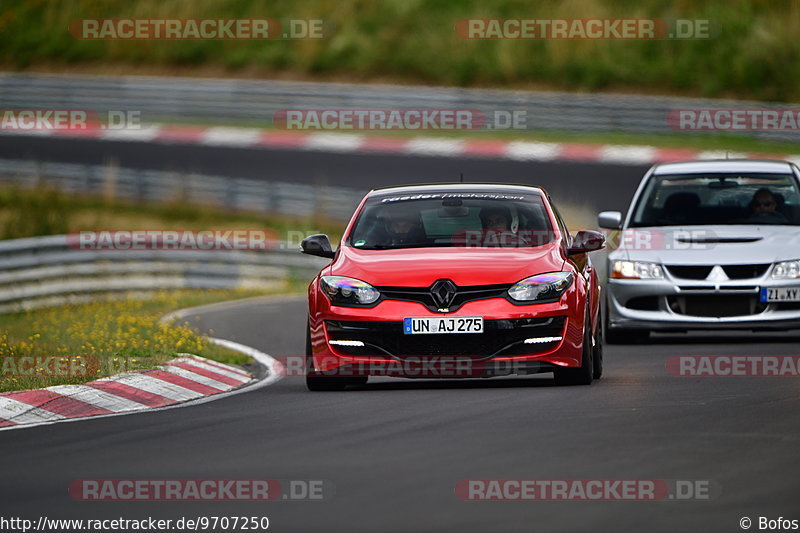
{"x": 76, "y": 344}
{"x": 49, "y": 211}
{"x": 751, "y": 52}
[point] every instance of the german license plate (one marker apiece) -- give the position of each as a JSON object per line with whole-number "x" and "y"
{"x": 427, "y": 325}
{"x": 780, "y": 294}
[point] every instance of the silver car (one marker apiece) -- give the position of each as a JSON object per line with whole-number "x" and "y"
{"x": 706, "y": 245}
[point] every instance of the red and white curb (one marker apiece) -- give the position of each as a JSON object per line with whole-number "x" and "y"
{"x": 186, "y": 380}
{"x": 427, "y": 146}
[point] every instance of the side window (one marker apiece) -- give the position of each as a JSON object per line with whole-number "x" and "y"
{"x": 561, "y": 226}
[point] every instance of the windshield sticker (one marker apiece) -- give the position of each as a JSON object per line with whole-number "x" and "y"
{"x": 467, "y": 195}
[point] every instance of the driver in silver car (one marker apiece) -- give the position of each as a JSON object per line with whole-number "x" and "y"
{"x": 764, "y": 206}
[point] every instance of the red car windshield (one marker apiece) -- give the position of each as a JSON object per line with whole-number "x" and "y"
{"x": 468, "y": 220}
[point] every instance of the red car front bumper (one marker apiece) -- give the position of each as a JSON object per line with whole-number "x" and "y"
{"x": 500, "y": 350}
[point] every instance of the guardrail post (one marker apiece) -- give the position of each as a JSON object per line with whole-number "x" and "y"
{"x": 232, "y": 194}
{"x": 272, "y": 200}
{"x": 110, "y": 180}
{"x": 139, "y": 186}
{"x": 86, "y": 178}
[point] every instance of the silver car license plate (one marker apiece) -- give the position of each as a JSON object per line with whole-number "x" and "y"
{"x": 780, "y": 294}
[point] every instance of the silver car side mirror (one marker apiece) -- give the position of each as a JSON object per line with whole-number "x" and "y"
{"x": 610, "y": 220}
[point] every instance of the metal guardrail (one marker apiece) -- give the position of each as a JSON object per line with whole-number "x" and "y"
{"x": 232, "y": 100}
{"x": 45, "y": 271}
{"x": 141, "y": 185}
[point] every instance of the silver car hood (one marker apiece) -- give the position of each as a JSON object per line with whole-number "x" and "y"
{"x": 710, "y": 245}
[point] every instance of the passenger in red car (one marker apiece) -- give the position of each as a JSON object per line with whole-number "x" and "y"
{"x": 497, "y": 230}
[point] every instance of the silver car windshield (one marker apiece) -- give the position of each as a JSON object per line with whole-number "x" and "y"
{"x": 719, "y": 198}
{"x": 452, "y": 221}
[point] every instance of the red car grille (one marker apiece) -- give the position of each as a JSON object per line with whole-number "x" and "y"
{"x": 500, "y": 337}
{"x": 462, "y": 295}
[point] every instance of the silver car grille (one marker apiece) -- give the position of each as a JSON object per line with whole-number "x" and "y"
{"x": 701, "y": 272}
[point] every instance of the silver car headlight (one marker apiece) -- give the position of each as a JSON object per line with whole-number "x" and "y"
{"x": 636, "y": 270}
{"x": 348, "y": 291}
{"x": 541, "y": 287}
{"x": 786, "y": 270}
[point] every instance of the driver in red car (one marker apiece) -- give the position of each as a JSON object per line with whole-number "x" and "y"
{"x": 403, "y": 229}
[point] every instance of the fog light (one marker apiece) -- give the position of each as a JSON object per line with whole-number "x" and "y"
{"x": 542, "y": 340}
{"x": 346, "y": 343}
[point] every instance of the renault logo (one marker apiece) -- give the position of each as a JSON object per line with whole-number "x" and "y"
{"x": 443, "y": 292}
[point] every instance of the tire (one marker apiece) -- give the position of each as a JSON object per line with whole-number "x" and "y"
{"x": 597, "y": 354}
{"x": 623, "y": 335}
{"x": 626, "y": 336}
{"x": 583, "y": 374}
{"x": 316, "y": 381}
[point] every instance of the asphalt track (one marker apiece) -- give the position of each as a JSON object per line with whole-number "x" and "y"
{"x": 395, "y": 449}
{"x": 608, "y": 186}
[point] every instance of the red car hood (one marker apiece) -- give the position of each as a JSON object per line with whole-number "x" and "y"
{"x": 420, "y": 267}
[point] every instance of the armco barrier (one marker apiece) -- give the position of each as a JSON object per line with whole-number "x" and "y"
{"x": 231, "y": 101}
{"x": 44, "y": 271}
{"x": 141, "y": 185}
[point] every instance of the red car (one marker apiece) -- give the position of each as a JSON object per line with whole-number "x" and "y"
{"x": 454, "y": 280}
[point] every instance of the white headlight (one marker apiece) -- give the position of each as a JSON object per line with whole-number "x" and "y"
{"x": 348, "y": 291}
{"x": 541, "y": 287}
{"x": 636, "y": 270}
{"x": 786, "y": 270}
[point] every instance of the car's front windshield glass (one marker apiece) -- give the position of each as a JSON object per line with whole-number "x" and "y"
{"x": 718, "y": 198}
{"x": 452, "y": 219}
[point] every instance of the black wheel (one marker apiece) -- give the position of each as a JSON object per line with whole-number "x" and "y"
{"x": 357, "y": 380}
{"x": 622, "y": 335}
{"x": 597, "y": 355}
{"x": 316, "y": 381}
{"x": 626, "y": 336}
{"x": 583, "y": 374}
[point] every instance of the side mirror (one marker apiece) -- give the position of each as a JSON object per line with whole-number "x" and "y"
{"x": 587, "y": 241}
{"x": 318, "y": 245}
{"x": 610, "y": 220}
